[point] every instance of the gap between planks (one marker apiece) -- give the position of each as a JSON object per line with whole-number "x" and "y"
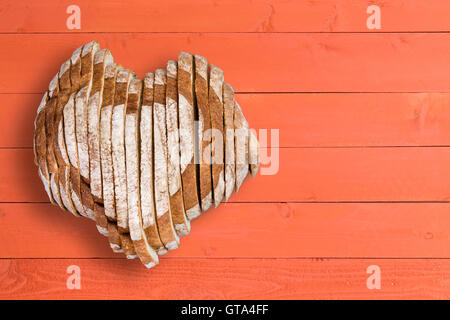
{"x": 237, "y": 258}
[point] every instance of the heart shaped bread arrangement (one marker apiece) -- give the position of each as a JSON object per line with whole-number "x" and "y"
{"x": 141, "y": 158}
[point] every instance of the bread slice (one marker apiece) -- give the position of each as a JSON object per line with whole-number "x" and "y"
{"x": 186, "y": 118}
{"x": 73, "y": 185}
{"x": 100, "y": 219}
{"x": 215, "y": 101}
{"x": 118, "y": 148}
{"x": 253, "y": 152}
{"x": 145, "y": 252}
{"x": 87, "y": 200}
{"x": 241, "y": 146}
{"x": 81, "y": 114}
{"x": 164, "y": 218}
{"x": 49, "y": 127}
{"x": 114, "y": 237}
{"x": 105, "y": 141}
{"x": 101, "y": 60}
{"x": 127, "y": 245}
{"x": 70, "y": 140}
{"x": 59, "y": 144}
{"x": 230, "y": 165}
{"x": 40, "y": 146}
{"x": 204, "y": 131}
{"x": 181, "y": 222}
{"x": 40, "y": 108}
{"x": 146, "y": 166}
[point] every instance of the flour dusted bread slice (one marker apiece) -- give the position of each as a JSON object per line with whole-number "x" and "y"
{"x": 230, "y": 165}
{"x": 146, "y": 167}
{"x": 81, "y": 106}
{"x": 118, "y": 148}
{"x": 164, "y": 218}
{"x": 241, "y": 146}
{"x": 186, "y": 118}
{"x": 253, "y": 152}
{"x": 74, "y": 190}
{"x": 73, "y": 187}
{"x": 101, "y": 59}
{"x": 180, "y": 221}
{"x": 204, "y": 131}
{"x": 215, "y": 101}
{"x": 106, "y": 111}
{"x": 145, "y": 252}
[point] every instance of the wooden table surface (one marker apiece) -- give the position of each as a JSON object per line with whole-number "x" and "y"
{"x": 364, "y": 150}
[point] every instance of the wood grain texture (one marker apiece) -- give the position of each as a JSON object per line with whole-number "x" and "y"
{"x": 305, "y": 174}
{"x": 227, "y": 16}
{"x": 303, "y": 120}
{"x": 226, "y": 279}
{"x": 239, "y": 230}
{"x": 345, "y": 62}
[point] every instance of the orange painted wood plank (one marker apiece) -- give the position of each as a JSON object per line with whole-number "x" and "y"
{"x": 345, "y": 62}
{"x": 305, "y": 174}
{"x": 226, "y": 279}
{"x": 304, "y": 120}
{"x": 224, "y": 16}
{"x": 406, "y": 230}
{"x": 353, "y": 174}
